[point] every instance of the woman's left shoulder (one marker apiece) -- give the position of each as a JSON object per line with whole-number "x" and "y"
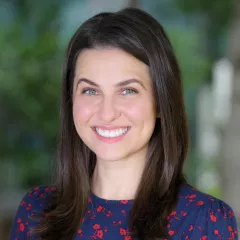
{"x": 191, "y": 198}
{"x": 202, "y": 216}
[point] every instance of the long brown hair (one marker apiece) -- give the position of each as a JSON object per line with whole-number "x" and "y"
{"x": 139, "y": 34}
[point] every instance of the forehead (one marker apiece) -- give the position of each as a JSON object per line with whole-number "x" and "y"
{"x": 110, "y": 63}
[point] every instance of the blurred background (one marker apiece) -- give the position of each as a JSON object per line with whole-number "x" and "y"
{"x": 33, "y": 38}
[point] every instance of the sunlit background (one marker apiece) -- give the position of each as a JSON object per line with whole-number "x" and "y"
{"x": 33, "y": 37}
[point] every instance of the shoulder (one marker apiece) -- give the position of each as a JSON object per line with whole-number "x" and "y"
{"x": 191, "y": 198}
{"x": 38, "y": 197}
{"x": 34, "y": 202}
{"x": 199, "y": 215}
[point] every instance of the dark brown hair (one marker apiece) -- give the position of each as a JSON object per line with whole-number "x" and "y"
{"x": 139, "y": 34}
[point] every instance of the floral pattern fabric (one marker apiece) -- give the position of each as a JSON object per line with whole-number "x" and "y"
{"x": 198, "y": 216}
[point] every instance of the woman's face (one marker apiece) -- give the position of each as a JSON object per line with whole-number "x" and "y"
{"x": 113, "y": 105}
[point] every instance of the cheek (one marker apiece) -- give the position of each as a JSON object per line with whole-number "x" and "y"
{"x": 141, "y": 110}
{"x": 82, "y": 112}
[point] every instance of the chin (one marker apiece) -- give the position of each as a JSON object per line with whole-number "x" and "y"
{"x": 110, "y": 155}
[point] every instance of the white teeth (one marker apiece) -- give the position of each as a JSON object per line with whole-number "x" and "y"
{"x": 111, "y": 133}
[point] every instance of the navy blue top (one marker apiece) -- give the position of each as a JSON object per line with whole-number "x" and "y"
{"x": 197, "y": 216}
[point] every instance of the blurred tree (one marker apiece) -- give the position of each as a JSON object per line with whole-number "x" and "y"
{"x": 216, "y": 17}
{"x": 133, "y": 3}
{"x": 30, "y": 76}
{"x": 213, "y": 17}
{"x": 230, "y": 151}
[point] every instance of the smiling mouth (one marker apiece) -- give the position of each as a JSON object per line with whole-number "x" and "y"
{"x": 111, "y": 133}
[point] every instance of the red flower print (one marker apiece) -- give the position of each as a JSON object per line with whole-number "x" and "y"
{"x": 99, "y": 209}
{"x": 100, "y": 234}
{"x": 80, "y": 232}
{"x": 190, "y": 228}
{"x": 41, "y": 195}
{"x": 183, "y": 213}
{"x": 124, "y": 212}
{"x": 212, "y": 199}
{"x": 96, "y": 226}
{"x": 21, "y": 227}
{"x": 109, "y": 219}
{"x": 200, "y": 203}
{"x": 192, "y": 196}
{"x": 213, "y": 218}
{"x": 123, "y": 232}
{"x": 109, "y": 214}
{"x": 231, "y": 214}
{"x": 116, "y": 223}
{"x": 200, "y": 228}
{"x": 29, "y": 207}
{"x": 173, "y": 213}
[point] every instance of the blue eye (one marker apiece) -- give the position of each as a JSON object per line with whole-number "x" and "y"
{"x": 89, "y": 92}
{"x": 128, "y": 91}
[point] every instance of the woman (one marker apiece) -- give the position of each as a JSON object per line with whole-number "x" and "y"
{"x": 123, "y": 142}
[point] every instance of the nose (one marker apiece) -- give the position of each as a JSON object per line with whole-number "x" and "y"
{"x": 108, "y": 110}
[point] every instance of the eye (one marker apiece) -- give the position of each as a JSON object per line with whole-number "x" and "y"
{"x": 128, "y": 91}
{"x": 89, "y": 91}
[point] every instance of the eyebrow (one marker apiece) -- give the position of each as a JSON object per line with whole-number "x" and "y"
{"x": 120, "y": 84}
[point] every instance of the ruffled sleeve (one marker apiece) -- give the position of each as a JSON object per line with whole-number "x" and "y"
{"x": 33, "y": 201}
{"x": 216, "y": 221}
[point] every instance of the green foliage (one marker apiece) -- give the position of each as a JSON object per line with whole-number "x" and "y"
{"x": 218, "y": 11}
{"x": 30, "y": 69}
{"x": 192, "y": 63}
{"x": 213, "y": 17}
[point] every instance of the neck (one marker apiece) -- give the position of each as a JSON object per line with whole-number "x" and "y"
{"x": 118, "y": 179}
